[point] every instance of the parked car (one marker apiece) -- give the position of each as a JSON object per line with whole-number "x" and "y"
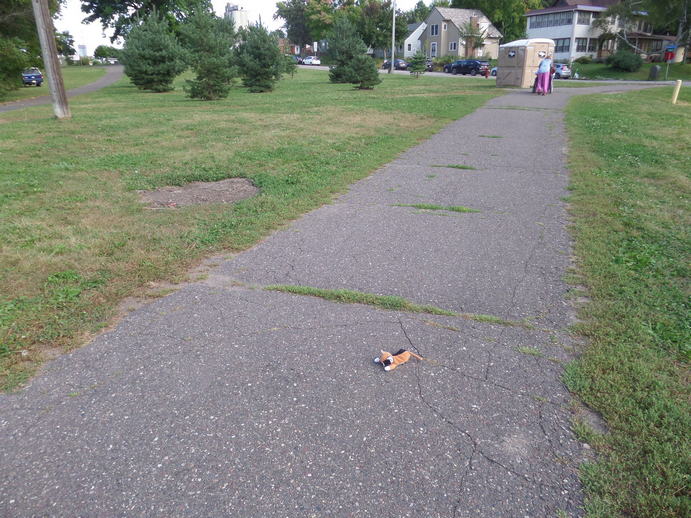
{"x": 32, "y": 76}
{"x": 493, "y": 71}
{"x": 469, "y": 66}
{"x": 398, "y": 64}
{"x": 311, "y": 60}
{"x": 447, "y": 68}
{"x": 562, "y": 71}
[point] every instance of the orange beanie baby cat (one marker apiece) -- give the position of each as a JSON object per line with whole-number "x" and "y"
{"x": 391, "y": 361}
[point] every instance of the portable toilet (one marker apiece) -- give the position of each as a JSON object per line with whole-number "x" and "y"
{"x": 518, "y": 61}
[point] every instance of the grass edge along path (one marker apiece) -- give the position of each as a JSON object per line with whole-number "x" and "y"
{"x": 76, "y": 238}
{"x": 388, "y": 302}
{"x": 630, "y": 157}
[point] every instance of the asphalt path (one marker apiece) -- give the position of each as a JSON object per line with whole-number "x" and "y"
{"x": 225, "y": 399}
{"x": 113, "y": 74}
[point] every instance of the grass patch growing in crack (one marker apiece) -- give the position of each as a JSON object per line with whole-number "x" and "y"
{"x": 490, "y": 136}
{"x": 531, "y": 351}
{"x": 630, "y": 185}
{"x": 357, "y": 297}
{"x": 390, "y": 302}
{"x": 429, "y": 206}
{"x": 457, "y": 166}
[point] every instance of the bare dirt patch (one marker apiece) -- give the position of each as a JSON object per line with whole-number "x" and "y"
{"x": 230, "y": 190}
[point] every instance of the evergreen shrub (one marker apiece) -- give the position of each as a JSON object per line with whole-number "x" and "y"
{"x": 152, "y": 56}
{"x": 209, "y": 41}
{"x": 259, "y": 59}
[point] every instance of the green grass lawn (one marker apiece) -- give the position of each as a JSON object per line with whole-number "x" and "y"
{"x": 631, "y": 185}
{"x": 77, "y": 240}
{"x": 73, "y": 77}
{"x": 602, "y": 71}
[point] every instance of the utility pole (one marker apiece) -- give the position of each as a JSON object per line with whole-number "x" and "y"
{"x": 393, "y": 38}
{"x": 49, "y": 51}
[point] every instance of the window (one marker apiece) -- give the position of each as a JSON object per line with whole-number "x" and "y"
{"x": 562, "y": 45}
{"x": 583, "y": 18}
{"x": 581, "y": 44}
{"x": 443, "y": 27}
{"x": 592, "y": 45}
{"x": 434, "y": 30}
{"x": 453, "y": 45}
{"x": 551, "y": 20}
{"x": 657, "y": 45}
{"x": 433, "y": 49}
{"x": 410, "y": 46}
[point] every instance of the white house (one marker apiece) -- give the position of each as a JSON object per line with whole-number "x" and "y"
{"x": 412, "y": 43}
{"x": 570, "y": 24}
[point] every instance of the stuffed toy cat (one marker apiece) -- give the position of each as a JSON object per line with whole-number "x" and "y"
{"x": 391, "y": 361}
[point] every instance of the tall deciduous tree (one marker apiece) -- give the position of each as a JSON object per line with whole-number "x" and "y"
{"x": 121, "y": 15}
{"x": 320, "y": 17}
{"x": 295, "y": 21}
{"x": 104, "y": 51}
{"x": 19, "y": 45}
{"x": 417, "y": 14}
{"x": 505, "y": 15}
{"x": 375, "y": 24}
{"x": 671, "y": 15}
{"x": 65, "y": 43}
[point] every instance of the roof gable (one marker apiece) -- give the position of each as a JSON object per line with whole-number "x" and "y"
{"x": 460, "y": 17}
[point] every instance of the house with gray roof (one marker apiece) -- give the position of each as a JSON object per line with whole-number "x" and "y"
{"x": 445, "y": 29}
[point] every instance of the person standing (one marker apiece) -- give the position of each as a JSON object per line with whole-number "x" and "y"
{"x": 544, "y": 70}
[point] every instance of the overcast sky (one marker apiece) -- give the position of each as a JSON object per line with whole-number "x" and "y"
{"x": 92, "y": 35}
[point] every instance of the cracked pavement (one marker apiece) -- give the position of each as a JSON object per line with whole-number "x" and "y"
{"x": 223, "y": 399}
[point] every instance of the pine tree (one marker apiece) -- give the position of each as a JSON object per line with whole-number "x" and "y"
{"x": 344, "y": 44}
{"x": 418, "y": 64}
{"x": 152, "y": 56}
{"x": 365, "y": 73}
{"x": 209, "y": 41}
{"x": 259, "y": 59}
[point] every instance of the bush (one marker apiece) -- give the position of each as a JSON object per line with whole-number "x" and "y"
{"x": 584, "y": 60}
{"x": 259, "y": 59}
{"x": 209, "y": 41}
{"x": 625, "y": 60}
{"x": 344, "y": 44}
{"x": 291, "y": 65}
{"x": 418, "y": 64}
{"x": 438, "y": 63}
{"x": 11, "y": 65}
{"x": 365, "y": 73}
{"x": 152, "y": 56}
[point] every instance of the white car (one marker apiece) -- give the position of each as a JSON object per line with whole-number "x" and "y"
{"x": 311, "y": 60}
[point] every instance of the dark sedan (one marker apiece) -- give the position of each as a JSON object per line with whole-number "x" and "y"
{"x": 469, "y": 66}
{"x": 398, "y": 64}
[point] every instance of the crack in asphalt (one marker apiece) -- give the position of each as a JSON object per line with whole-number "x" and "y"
{"x": 476, "y": 449}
